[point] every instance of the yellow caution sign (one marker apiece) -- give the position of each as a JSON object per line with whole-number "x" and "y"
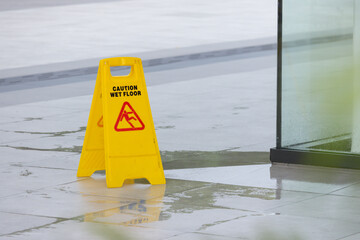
{"x": 120, "y": 135}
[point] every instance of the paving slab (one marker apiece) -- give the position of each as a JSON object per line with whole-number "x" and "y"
{"x": 259, "y": 226}
{"x": 352, "y": 237}
{"x": 58, "y": 203}
{"x": 10, "y": 222}
{"x": 266, "y": 176}
{"x": 330, "y": 207}
{"x": 21, "y": 179}
{"x": 74, "y": 229}
{"x": 20, "y": 157}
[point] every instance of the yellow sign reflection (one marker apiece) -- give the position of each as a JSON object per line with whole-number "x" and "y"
{"x": 144, "y": 207}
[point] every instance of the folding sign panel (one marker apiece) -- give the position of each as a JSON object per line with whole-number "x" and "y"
{"x": 120, "y": 135}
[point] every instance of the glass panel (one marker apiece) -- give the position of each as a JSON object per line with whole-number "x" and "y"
{"x": 317, "y": 75}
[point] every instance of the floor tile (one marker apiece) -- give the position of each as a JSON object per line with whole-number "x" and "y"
{"x": 264, "y": 227}
{"x": 42, "y": 127}
{"x": 24, "y": 179}
{"x": 69, "y": 161}
{"x": 185, "y": 218}
{"x": 352, "y": 191}
{"x": 238, "y": 197}
{"x": 18, "y": 157}
{"x": 10, "y": 223}
{"x": 294, "y": 178}
{"x": 332, "y": 207}
{"x": 352, "y": 237}
{"x": 74, "y": 230}
{"x": 60, "y": 204}
{"x": 200, "y": 236}
{"x": 32, "y": 111}
{"x": 56, "y": 144}
{"x": 10, "y": 136}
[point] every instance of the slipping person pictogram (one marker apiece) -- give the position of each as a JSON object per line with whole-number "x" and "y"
{"x": 128, "y": 119}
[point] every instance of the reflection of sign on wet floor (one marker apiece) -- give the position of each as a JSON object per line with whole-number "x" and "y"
{"x": 142, "y": 211}
{"x": 123, "y": 210}
{"x": 128, "y": 119}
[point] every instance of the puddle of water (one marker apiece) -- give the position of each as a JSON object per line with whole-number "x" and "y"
{"x": 200, "y": 159}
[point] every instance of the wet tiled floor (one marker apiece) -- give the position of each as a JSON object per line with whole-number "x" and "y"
{"x": 220, "y": 183}
{"x": 209, "y": 194}
{"x": 216, "y": 203}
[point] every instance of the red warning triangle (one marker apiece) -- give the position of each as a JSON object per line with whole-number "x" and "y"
{"x": 128, "y": 119}
{"x": 100, "y": 122}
